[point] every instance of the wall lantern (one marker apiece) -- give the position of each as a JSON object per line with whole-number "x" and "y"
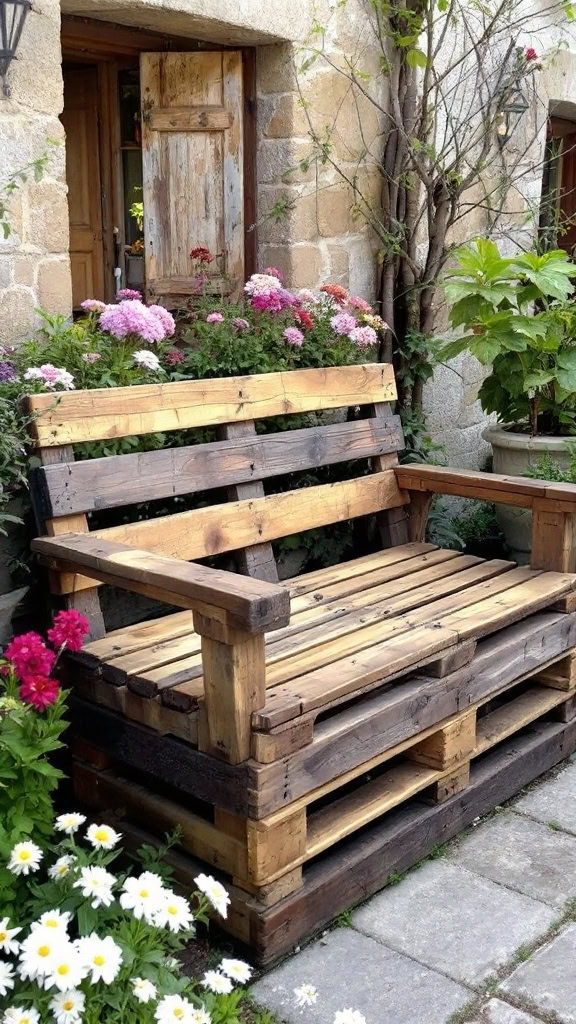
{"x": 508, "y": 117}
{"x": 12, "y": 17}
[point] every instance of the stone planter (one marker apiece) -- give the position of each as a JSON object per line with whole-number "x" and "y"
{"x": 513, "y": 454}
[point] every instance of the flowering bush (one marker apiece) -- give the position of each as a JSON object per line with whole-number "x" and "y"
{"x": 99, "y": 948}
{"x": 31, "y": 722}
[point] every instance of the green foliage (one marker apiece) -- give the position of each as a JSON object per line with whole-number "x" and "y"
{"x": 477, "y": 523}
{"x": 34, "y": 169}
{"x": 547, "y": 468}
{"x": 517, "y": 318}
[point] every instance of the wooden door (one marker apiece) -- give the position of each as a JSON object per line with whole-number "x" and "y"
{"x": 192, "y": 149}
{"x": 567, "y": 239}
{"x": 80, "y": 120}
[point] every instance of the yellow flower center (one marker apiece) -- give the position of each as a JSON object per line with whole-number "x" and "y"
{"x": 63, "y": 869}
{"x": 144, "y": 893}
{"x": 63, "y": 969}
{"x": 101, "y": 834}
{"x": 44, "y": 951}
{"x": 179, "y": 1012}
{"x": 3, "y": 936}
{"x": 51, "y": 923}
{"x": 24, "y": 1020}
{"x": 68, "y": 1005}
{"x": 99, "y": 960}
{"x": 171, "y": 910}
{"x": 24, "y": 855}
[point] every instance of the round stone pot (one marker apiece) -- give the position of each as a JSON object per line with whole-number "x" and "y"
{"x": 513, "y": 454}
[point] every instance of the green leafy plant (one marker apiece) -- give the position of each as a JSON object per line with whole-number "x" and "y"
{"x": 547, "y": 468}
{"x": 515, "y": 317}
{"x": 34, "y": 169}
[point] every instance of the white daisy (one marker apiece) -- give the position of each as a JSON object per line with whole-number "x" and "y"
{"x": 7, "y": 942}
{"x": 20, "y": 1015}
{"x": 215, "y": 892}
{"x": 61, "y": 867}
{"x": 24, "y": 858}
{"x": 56, "y": 919}
{"x": 349, "y": 1017}
{"x": 173, "y": 913}
{"x": 237, "y": 970}
{"x": 67, "y": 1006}
{"x": 101, "y": 957}
{"x": 6, "y": 977}
{"x": 143, "y": 895}
{"x": 217, "y": 983}
{"x": 39, "y": 951}
{"x": 143, "y": 989}
{"x": 96, "y": 884}
{"x": 306, "y": 995}
{"x": 174, "y": 1008}
{"x": 103, "y": 837}
{"x": 69, "y": 823}
{"x": 67, "y": 969}
{"x": 200, "y": 1016}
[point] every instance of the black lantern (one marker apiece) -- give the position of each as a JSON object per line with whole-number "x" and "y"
{"x": 12, "y": 17}
{"x": 514, "y": 106}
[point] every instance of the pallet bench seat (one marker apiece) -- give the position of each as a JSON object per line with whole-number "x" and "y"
{"x": 277, "y": 721}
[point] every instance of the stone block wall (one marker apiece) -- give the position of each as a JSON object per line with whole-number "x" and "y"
{"x": 34, "y": 269}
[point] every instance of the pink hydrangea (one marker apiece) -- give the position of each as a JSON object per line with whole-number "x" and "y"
{"x": 51, "y": 376}
{"x": 364, "y": 337}
{"x": 93, "y": 305}
{"x": 273, "y": 301}
{"x": 293, "y": 336}
{"x": 262, "y": 284}
{"x": 29, "y": 655}
{"x": 357, "y": 302}
{"x": 128, "y": 293}
{"x": 343, "y": 323}
{"x": 147, "y": 360}
{"x": 91, "y": 357}
{"x": 132, "y": 317}
{"x": 165, "y": 318}
{"x": 273, "y": 272}
{"x": 69, "y": 629}
{"x": 214, "y": 318}
{"x": 240, "y": 323}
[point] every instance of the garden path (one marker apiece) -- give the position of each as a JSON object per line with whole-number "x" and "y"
{"x": 484, "y": 933}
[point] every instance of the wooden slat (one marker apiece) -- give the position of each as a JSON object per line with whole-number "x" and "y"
{"x": 308, "y": 581}
{"x": 513, "y": 716}
{"x": 132, "y": 638}
{"x": 190, "y": 119}
{"x": 116, "y": 412}
{"x": 117, "y": 480}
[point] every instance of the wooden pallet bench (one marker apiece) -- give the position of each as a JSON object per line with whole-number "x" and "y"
{"x": 264, "y": 700}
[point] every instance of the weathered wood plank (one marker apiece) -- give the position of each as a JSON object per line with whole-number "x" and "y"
{"x": 433, "y": 478}
{"x": 190, "y": 119}
{"x": 117, "y": 412}
{"x": 553, "y": 539}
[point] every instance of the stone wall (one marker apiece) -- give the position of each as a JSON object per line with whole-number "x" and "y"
{"x": 34, "y": 268}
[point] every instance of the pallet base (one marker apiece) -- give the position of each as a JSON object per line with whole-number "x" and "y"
{"x": 360, "y": 866}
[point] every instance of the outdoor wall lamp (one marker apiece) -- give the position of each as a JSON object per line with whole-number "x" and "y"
{"x": 13, "y": 14}
{"x": 510, "y": 113}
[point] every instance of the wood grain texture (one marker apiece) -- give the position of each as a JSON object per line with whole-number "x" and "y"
{"x": 553, "y": 540}
{"x": 234, "y": 687}
{"x": 511, "y": 490}
{"x": 189, "y": 119}
{"x": 75, "y": 416}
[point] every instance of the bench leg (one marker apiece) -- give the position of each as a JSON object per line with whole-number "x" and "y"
{"x": 553, "y": 540}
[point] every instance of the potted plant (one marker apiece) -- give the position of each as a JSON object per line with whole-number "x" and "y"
{"x": 518, "y": 319}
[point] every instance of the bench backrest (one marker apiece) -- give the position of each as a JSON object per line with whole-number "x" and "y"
{"x": 65, "y": 490}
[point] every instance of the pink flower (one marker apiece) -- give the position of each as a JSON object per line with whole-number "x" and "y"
{"x": 240, "y": 323}
{"x": 39, "y": 691}
{"x": 357, "y": 302}
{"x": 293, "y": 336}
{"x": 93, "y": 305}
{"x": 29, "y": 655}
{"x": 304, "y": 318}
{"x": 91, "y": 357}
{"x": 51, "y": 376}
{"x": 128, "y": 293}
{"x": 262, "y": 284}
{"x": 214, "y": 318}
{"x": 174, "y": 356}
{"x": 132, "y": 317}
{"x": 273, "y": 272}
{"x": 202, "y": 254}
{"x": 363, "y": 336}
{"x": 273, "y": 301}
{"x": 530, "y": 53}
{"x": 165, "y": 318}
{"x": 335, "y": 291}
{"x": 69, "y": 629}
{"x": 343, "y": 323}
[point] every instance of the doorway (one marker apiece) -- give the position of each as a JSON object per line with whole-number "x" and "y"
{"x": 557, "y": 227}
{"x": 156, "y": 161}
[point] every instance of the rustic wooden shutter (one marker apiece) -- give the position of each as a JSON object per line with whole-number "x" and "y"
{"x": 192, "y": 143}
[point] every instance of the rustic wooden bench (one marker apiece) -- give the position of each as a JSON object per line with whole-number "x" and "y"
{"x": 268, "y": 702}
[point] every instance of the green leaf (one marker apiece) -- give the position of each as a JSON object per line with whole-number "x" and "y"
{"x": 416, "y": 59}
{"x": 567, "y": 380}
{"x": 485, "y": 350}
{"x": 469, "y": 309}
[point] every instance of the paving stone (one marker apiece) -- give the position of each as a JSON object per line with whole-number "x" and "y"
{"x": 548, "y": 979}
{"x": 524, "y": 855}
{"x": 455, "y": 921}
{"x": 553, "y": 801}
{"x": 497, "y": 1012}
{"x": 352, "y": 971}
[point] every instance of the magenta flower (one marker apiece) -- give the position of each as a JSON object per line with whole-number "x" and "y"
{"x": 69, "y": 629}
{"x": 51, "y": 376}
{"x": 214, "y": 318}
{"x": 357, "y": 302}
{"x": 240, "y": 323}
{"x": 132, "y": 317}
{"x": 293, "y": 336}
{"x": 174, "y": 356}
{"x": 343, "y": 323}
{"x": 93, "y": 305}
{"x": 273, "y": 272}
{"x": 7, "y": 371}
{"x": 273, "y": 301}
{"x": 165, "y": 318}
{"x": 128, "y": 293}
{"x": 363, "y": 336}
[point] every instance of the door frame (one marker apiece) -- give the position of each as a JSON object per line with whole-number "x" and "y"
{"x": 113, "y": 48}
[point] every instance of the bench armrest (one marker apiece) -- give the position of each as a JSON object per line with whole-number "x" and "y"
{"x": 508, "y": 490}
{"x": 249, "y": 605}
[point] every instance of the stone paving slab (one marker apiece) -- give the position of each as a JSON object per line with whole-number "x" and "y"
{"x": 352, "y": 971}
{"x": 497, "y": 1012}
{"x": 548, "y": 979}
{"x": 554, "y": 800}
{"x": 453, "y": 920}
{"x": 524, "y": 855}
